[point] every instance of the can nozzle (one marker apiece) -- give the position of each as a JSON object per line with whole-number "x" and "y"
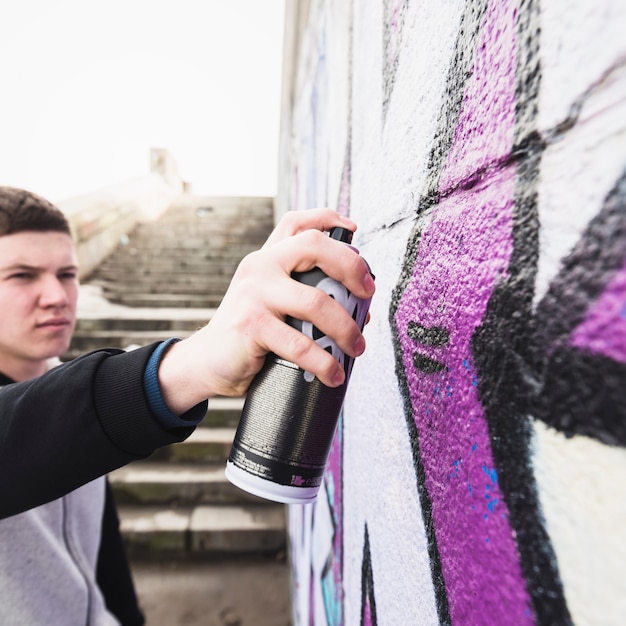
{"x": 341, "y": 234}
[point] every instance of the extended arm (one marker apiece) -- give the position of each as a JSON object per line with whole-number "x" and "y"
{"x": 75, "y": 423}
{"x": 92, "y": 415}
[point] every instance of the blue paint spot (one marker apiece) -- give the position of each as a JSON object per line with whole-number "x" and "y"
{"x": 485, "y": 516}
{"x": 474, "y": 447}
{"x": 456, "y": 472}
{"x": 332, "y": 599}
{"x": 486, "y": 539}
{"x": 493, "y": 474}
{"x": 492, "y": 505}
{"x": 469, "y": 486}
{"x": 330, "y": 489}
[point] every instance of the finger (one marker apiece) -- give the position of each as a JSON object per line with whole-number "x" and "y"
{"x": 290, "y": 344}
{"x": 315, "y": 306}
{"x": 312, "y": 248}
{"x": 294, "y": 222}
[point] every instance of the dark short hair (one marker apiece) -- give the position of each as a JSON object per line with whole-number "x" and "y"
{"x": 22, "y": 210}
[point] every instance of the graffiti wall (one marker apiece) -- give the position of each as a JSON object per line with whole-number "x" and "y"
{"x": 478, "y": 474}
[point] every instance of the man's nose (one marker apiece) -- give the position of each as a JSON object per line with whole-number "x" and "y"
{"x": 53, "y": 292}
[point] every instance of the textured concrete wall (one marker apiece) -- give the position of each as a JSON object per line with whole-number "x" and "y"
{"x": 478, "y": 472}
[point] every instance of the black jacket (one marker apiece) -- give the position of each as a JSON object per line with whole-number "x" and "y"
{"x": 79, "y": 421}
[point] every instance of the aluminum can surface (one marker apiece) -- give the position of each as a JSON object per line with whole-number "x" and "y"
{"x": 289, "y": 417}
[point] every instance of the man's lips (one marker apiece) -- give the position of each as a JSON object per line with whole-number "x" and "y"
{"x": 55, "y": 323}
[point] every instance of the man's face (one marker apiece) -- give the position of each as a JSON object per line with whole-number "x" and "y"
{"x": 38, "y": 294}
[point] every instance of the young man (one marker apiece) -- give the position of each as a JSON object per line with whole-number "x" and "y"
{"x": 62, "y": 428}
{"x": 98, "y": 412}
{"x": 62, "y": 562}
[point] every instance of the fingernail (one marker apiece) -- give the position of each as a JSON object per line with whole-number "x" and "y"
{"x": 359, "y": 346}
{"x": 339, "y": 377}
{"x": 369, "y": 284}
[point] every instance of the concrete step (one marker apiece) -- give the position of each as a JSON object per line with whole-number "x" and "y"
{"x": 93, "y": 333}
{"x": 163, "y": 260}
{"x": 215, "y": 247}
{"x": 155, "y": 300}
{"x": 120, "y": 267}
{"x": 98, "y": 317}
{"x": 247, "y": 225}
{"x": 163, "y": 282}
{"x": 202, "y": 531}
{"x": 183, "y": 297}
{"x": 222, "y": 413}
{"x": 200, "y": 216}
{"x": 238, "y": 209}
{"x": 206, "y": 445}
{"x": 86, "y": 341}
{"x": 195, "y": 206}
{"x": 214, "y": 222}
{"x": 171, "y": 283}
{"x": 176, "y": 484}
{"x": 231, "y": 590}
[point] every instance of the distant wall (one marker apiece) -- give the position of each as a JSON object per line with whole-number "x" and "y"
{"x": 100, "y": 218}
{"x": 478, "y": 473}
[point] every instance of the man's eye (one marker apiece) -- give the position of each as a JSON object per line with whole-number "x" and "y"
{"x": 68, "y": 276}
{"x": 21, "y": 276}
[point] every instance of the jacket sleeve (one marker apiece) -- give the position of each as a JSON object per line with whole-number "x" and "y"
{"x": 79, "y": 421}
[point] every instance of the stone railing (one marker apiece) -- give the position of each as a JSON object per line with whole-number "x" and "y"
{"x": 100, "y": 219}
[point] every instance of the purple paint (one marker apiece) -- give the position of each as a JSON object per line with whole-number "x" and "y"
{"x": 462, "y": 254}
{"x": 485, "y": 128}
{"x": 366, "y": 618}
{"x": 603, "y": 331}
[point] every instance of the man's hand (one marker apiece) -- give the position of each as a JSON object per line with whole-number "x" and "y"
{"x": 223, "y": 357}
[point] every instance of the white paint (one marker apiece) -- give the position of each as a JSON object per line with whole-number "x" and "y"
{"x": 579, "y": 167}
{"x": 379, "y": 474}
{"x": 581, "y": 487}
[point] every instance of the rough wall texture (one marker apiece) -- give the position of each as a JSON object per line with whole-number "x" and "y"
{"x": 478, "y": 474}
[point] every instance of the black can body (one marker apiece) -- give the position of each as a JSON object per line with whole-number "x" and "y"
{"x": 289, "y": 419}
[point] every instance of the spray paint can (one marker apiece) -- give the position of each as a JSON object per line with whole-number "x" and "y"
{"x": 289, "y": 417}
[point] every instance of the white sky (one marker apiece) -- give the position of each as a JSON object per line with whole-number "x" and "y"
{"x": 88, "y": 87}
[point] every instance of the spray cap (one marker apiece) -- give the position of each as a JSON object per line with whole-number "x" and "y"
{"x": 341, "y": 234}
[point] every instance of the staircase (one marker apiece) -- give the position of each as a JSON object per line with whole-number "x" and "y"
{"x": 187, "y": 257}
{"x": 165, "y": 279}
